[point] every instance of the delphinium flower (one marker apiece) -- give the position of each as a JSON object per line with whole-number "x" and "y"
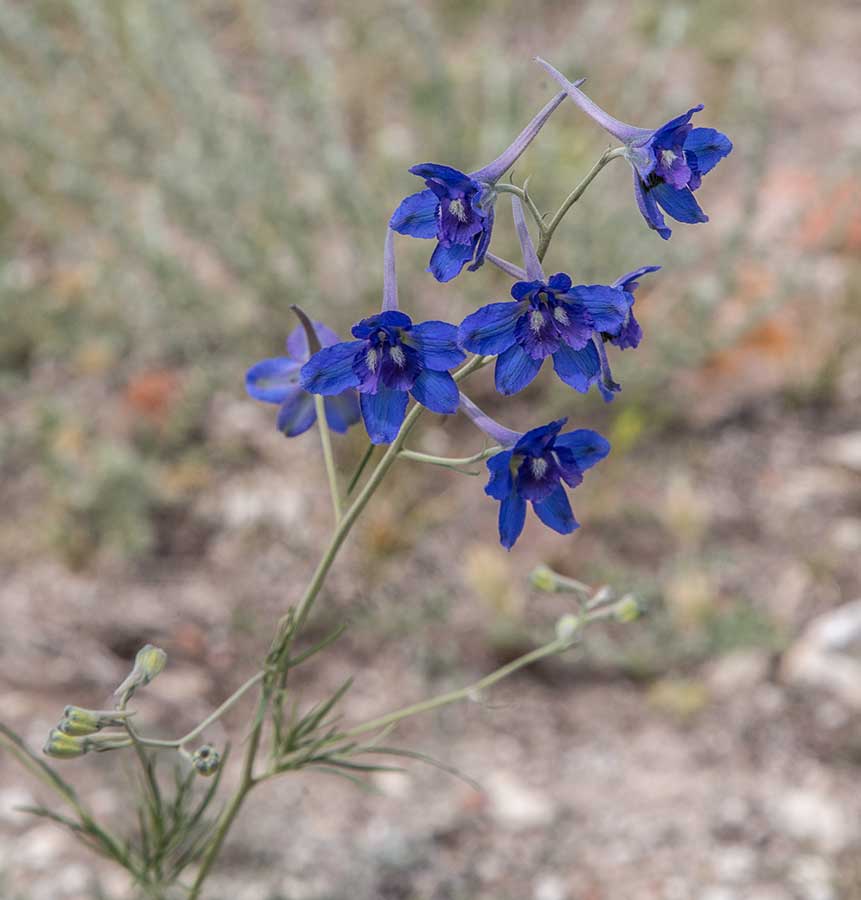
{"x": 457, "y": 209}
{"x": 668, "y": 162}
{"x": 390, "y": 359}
{"x": 532, "y": 467}
{"x": 277, "y": 381}
{"x": 547, "y": 317}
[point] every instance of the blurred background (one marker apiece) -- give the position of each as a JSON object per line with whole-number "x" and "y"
{"x": 173, "y": 175}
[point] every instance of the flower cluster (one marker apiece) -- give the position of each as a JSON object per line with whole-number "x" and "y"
{"x": 392, "y": 358}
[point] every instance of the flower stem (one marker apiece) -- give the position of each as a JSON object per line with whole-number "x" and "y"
{"x": 526, "y": 198}
{"x": 548, "y": 229}
{"x": 556, "y": 646}
{"x": 328, "y": 456}
{"x": 363, "y": 462}
{"x": 213, "y": 717}
{"x": 246, "y": 782}
{"x": 294, "y": 621}
{"x": 450, "y": 462}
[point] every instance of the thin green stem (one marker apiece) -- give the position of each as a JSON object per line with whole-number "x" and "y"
{"x": 246, "y": 782}
{"x": 328, "y": 456}
{"x": 525, "y": 198}
{"x": 361, "y": 501}
{"x": 213, "y": 717}
{"x": 449, "y": 462}
{"x": 573, "y": 197}
{"x": 463, "y": 693}
{"x": 295, "y": 620}
{"x": 363, "y": 462}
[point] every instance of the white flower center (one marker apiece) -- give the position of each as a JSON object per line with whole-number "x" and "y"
{"x": 668, "y": 157}
{"x": 561, "y": 316}
{"x": 398, "y": 357}
{"x": 538, "y": 464}
{"x": 371, "y": 359}
{"x": 536, "y": 320}
{"x": 457, "y": 209}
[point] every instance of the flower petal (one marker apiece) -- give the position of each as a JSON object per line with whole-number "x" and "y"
{"x": 588, "y": 446}
{"x": 577, "y": 368}
{"x": 555, "y": 512}
{"x": 447, "y": 262}
{"x": 490, "y": 330}
{"x": 515, "y": 369}
{"x": 483, "y": 240}
{"x": 417, "y": 215}
{"x": 342, "y": 411}
{"x": 437, "y": 391}
{"x": 512, "y": 515}
{"x": 383, "y": 413}
{"x": 330, "y": 371}
{"x": 709, "y": 146}
{"x": 537, "y": 440}
{"x": 297, "y": 414}
{"x": 400, "y": 367}
{"x": 501, "y": 483}
{"x": 608, "y": 305}
{"x": 436, "y": 343}
{"x": 680, "y": 204}
{"x": 630, "y": 281}
{"x": 444, "y": 175}
{"x": 274, "y": 380}
{"x": 537, "y": 334}
{"x": 537, "y": 476}
{"x": 649, "y": 209}
{"x": 297, "y": 342}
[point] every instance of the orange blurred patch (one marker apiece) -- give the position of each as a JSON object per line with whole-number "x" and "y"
{"x": 772, "y": 339}
{"x": 833, "y": 218}
{"x": 154, "y": 393}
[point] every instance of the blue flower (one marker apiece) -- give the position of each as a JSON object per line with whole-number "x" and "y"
{"x": 630, "y": 334}
{"x": 668, "y": 162}
{"x": 457, "y": 208}
{"x": 533, "y": 470}
{"x": 277, "y": 381}
{"x": 391, "y": 358}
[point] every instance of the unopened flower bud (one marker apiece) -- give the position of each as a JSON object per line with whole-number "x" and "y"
{"x": 627, "y": 609}
{"x": 543, "y": 578}
{"x": 567, "y": 627}
{"x": 65, "y": 746}
{"x": 206, "y": 760}
{"x": 77, "y": 721}
{"x": 149, "y": 661}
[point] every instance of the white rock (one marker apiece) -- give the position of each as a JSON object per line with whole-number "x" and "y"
{"x": 827, "y": 656}
{"x": 811, "y": 818}
{"x": 812, "y": 877}
{"x": 550, "y": 887}
{"x": 844, "y": 450}
{"x": 516, "y": 806}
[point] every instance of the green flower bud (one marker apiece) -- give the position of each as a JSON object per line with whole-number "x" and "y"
{"x": 627, "y": 609}
{"x": 77, "y": 721}
{"x": 150, "y": 660}
{"x": 206, "y": 760}
{"x": 65, "y": 746}
{"x": 543, "y": 578}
